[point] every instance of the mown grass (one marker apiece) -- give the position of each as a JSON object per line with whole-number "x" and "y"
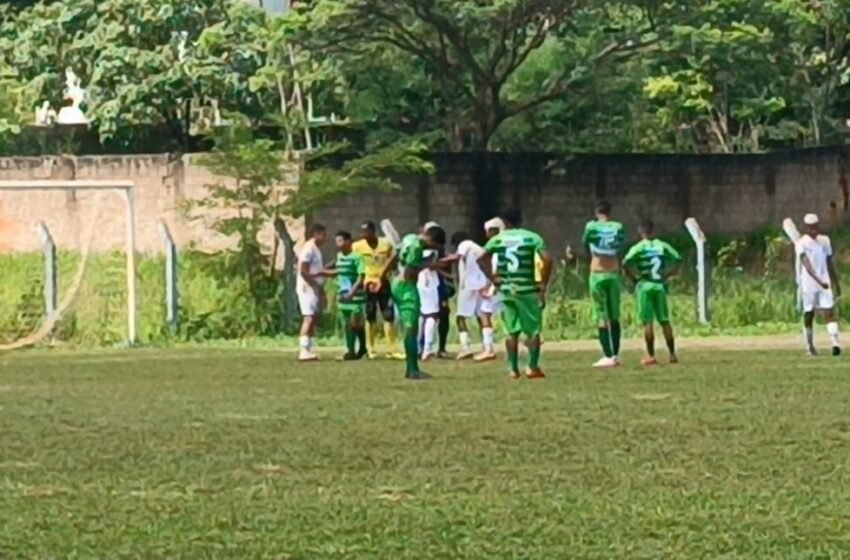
{"x": 234, "y": 454}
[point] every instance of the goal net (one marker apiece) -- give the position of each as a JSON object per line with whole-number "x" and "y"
{"x": 68, "y": 255}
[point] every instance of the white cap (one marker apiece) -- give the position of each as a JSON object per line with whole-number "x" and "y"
{"x": 429, "y": 225}
{"x": 495, "y": 223}
{"x": 810, "y": 219}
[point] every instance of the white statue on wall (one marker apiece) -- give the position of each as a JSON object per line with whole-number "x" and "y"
{"x": 76, "y": 94}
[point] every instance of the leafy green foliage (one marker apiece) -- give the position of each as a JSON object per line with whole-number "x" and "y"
{"x": 722, "y": 76}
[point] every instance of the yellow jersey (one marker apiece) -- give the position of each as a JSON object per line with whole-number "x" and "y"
{"x": 375, "y": 258}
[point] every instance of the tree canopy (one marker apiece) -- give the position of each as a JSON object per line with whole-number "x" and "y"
{"x": 530, "y": 75}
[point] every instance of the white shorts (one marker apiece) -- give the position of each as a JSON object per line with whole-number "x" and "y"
{"x": 817, "y": 299}
{"x": 490, "y": 305}
{"x": 309, "y": 302}
{"x": 469, "y": 303}
{"x": 429, "y": 301}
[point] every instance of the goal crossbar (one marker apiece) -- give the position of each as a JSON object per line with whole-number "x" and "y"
{"x": 127, "y": 189}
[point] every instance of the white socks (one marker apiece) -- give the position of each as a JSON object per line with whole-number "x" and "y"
{"x": 832, "y": 329}
{"x": 430, "y": 333}
{"x": 487, "y": 335}
{"x": 305, "y": 343}
{"x": 464, "y": 340}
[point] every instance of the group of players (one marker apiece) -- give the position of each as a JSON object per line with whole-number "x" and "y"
{"x": 410, "y": 284}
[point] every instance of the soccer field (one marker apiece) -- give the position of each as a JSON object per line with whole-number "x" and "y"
{"x": 243, "y": 454}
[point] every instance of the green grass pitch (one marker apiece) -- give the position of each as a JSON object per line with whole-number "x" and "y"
{"x": 174, "y": 454}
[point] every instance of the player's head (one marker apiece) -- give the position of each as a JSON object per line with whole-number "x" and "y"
{"x": 318, "y": 233}
{"x": 512, "y": 218}
{"x": 429, "y": 225}
{"x": 494, "y": 227}
{"x": 368, "y": 230}
{"x": 434, "y": 237}
{"x": 459, "y": 237}
{"x": 603, "y": 209}
{"x": 811, "y": 224}
{"x": 646, "y": 229}
{"x": 343, "y": 241}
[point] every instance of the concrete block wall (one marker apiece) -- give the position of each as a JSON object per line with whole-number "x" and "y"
{"x": 728, "y": 194}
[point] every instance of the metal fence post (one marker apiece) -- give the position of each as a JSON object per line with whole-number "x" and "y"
{"x": 172, "y": 294}
{"x": 703, "y": 293}
{"x": 51, "y": 291}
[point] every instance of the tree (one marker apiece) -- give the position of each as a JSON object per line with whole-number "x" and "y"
{"x": 473, "y": 50}
{"x": 253, "y": 197}
{"x": 718, "y": 85}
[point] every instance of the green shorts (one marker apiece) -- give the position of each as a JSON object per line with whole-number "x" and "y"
{"x": 350, "y": 309}
{"x": 522, "y": 314}
{"x": 605, "y": 288}
{"x": 406, "y": 297}
{"x": 652, "y": 303}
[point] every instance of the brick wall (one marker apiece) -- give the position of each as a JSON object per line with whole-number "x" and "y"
{"x": 727, "y": 194}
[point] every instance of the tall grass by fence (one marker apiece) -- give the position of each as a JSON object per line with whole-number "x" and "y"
{"x": 752, "y": 288}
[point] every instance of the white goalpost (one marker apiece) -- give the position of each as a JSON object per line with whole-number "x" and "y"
{"x": 126, "y": 189}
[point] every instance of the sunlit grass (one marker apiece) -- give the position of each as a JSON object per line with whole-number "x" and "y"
{"x": 236, "y": 454}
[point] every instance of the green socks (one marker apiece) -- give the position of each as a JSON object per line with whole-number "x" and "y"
{"x": 349, "y": 339}
{"x": 615, "y": 338}
{"x": 411, "y": 351}
{"x": 605, "y": 342}
{"x": 534, "y": 357}
{"x": 360, "y": 334}
{"x": 513, "y": 360}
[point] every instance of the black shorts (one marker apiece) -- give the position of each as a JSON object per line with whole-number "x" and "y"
{"x": 380, "y": 300}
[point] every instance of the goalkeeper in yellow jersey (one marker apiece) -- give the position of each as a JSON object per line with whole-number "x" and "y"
{"x": 376, "y": 252}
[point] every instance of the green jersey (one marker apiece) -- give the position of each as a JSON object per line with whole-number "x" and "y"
{"x": 515, "y": 250}
{"x": 411, "y": 252}
{"x": 604, "y": 238}
{"x": 652, "y": 258}
{"x": 350, "y": 268}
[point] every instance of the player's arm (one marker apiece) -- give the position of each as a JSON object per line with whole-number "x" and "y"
{"x": 361, "y": 279}
{"x": 304, "y": 271}
{"x": 674, "y": 258}
{"x": 485, "y": 261}
{"x": 833, "y": 274}
{"x": 629, "y": 267}
{"x": 810, "y": 270}
{"x": 391, "y": 265}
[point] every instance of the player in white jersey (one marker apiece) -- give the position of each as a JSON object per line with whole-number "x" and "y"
{"x": 428, "y": 285}
{"x": 489, "y": 298}
{"x": 310, "y": 293}
{"x": 818, "y": 282}
{"x": 472, "y": 283}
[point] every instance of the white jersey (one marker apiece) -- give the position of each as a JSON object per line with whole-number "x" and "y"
{"x": 817, "y": 251}
{"x": 471, "y": 276}
{"x": 311, "y": 255}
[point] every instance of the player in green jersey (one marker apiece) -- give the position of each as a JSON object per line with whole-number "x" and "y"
{"x": 409, "y": 260}
{"x": 523, "y": 297}
{"x": 650, "y": 263}
{"x": 350, "y": 271}
{"x": 604, "y": 238}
